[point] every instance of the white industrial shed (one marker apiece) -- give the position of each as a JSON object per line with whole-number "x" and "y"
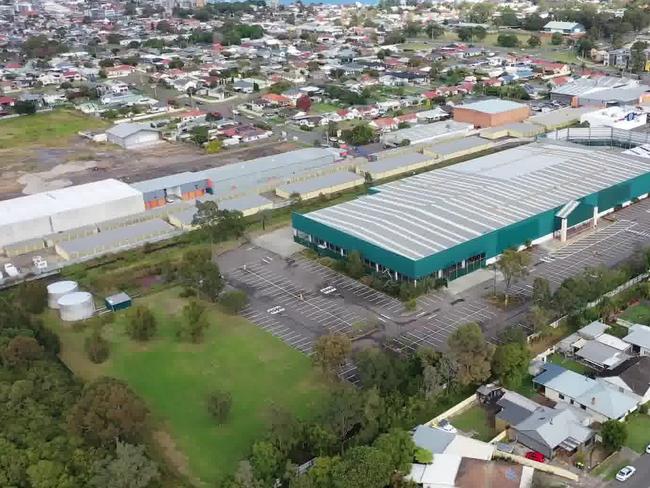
{"x": 133, "y": 136}
{"x": 61, "y": 210}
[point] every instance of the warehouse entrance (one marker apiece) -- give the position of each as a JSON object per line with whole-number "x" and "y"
{"x": 463, "y": 267}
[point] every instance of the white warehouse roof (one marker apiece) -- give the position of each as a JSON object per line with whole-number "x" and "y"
{"x": 67, "y": 208}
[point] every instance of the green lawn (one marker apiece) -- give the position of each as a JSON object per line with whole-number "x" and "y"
{"x": 321, "y": 108}
{"x": 49, "y": 128}
{"x": 608, "y": 469}
{"x": 174, "y": 378}
{"x": 638, "y": 432}
{"x": 639, "y": 314}
{"x": 474, "y": 419}
{"x": 526, "y": 388}
{"x": 569, "y": 364}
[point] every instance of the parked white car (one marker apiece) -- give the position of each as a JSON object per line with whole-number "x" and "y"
{"x": 626, "y": 473}
{"x": 647, "y": 449}
{"x": 445, "y": 425}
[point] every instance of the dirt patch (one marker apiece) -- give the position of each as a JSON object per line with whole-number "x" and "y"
{"x": 174, "y": 457}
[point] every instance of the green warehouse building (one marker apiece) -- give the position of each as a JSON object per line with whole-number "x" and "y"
{"x": 450, "y": 221}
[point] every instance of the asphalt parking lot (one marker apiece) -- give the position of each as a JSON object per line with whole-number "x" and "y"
{"x": 298, "y": 299}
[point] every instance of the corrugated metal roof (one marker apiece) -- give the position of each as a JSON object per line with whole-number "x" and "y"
{"x": 493, "y": 106}
{"x": 434, "y": 211}
{"x": 322, "y": 182}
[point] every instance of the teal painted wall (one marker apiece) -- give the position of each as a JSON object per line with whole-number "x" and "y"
{"x": 492, "y": 243}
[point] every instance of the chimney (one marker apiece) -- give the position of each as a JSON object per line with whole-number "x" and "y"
{"x": 593, "y": 400}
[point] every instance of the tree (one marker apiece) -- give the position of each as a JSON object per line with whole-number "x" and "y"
{"x": 363, "y": 467}
{"x": 234, "y": 301}
{"x": 359, "y": 135}
{"x": 21, "y": 351}
{"x": 481, "y": 13}
{"x": 25, "y": 107}
{"x": 534, "y": 22}
{"x": 541, "y": 292}
{"x": 614, "y": 434}
{"x": 331, "y": 351}
{"x": 200, "y": 134}
{"x": 141, "y": 323}
{"x": 399, "y": 446}
{"x": 32, "y": 296}
{"x": 507, "y": 40}
{"x": 108, "y": 410}
{"x": 198, "y": 271}
{"x": 354, "y": 265}
{"x": 513, "y": 265}
{"x": 216, "y": 224}
{"x": 510, "y": 364}
{"x": 465, "y": 34}
{"x": 423, "y": 456}
{"x": 534, "y": 41}
{"x": 638, "y": 57}
{"x": 539, "y": 317}
{"x": 434, "y": 30}
{"x": 164, "y": 26}
{"x": 129, "y": 468}
{"x": 214, "y": 147}
{"x": 303, "y": 103}
{"x": 472, "y": 354}
{"x": 96, "y": 347}
{"x": 508, "y": 17}
{"x": 267, "y": 461}
{"x": 412, "y": 29}
{"x": 583, "y": 46}
{"x": 194, "y": 322}
{"x": 219, "y": 405}
{"x": 556, "y": 39}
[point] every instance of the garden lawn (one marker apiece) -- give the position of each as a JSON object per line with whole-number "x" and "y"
{"x": 53, "y": 128}
{"x": 569, "y": 364}
{"x": 174, "y": 379}
{"x": 474, "y": 419}
{"x": 639, "y": 314}
{"x": 638, "y": 432}
{"x": 322, "y": 108}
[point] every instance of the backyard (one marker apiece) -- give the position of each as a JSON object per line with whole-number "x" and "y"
{"x": 474, "y": 420}
{"x": 174, "y": 378}
{"x": 569, "y": 364}
{"x": 639, "y": 314}
{"x": 53, "y": 128}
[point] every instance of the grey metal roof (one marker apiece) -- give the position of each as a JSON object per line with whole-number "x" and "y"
{"x": 553, "y": 426}
{"x": 601, "y": 354}
{"x": 322, "y": 182}
{"x": 120, "y": 297}
{"x": 127, "y": 128}
{"x": 432, "y": 439}
{"x": 169, "y": 181}
{"x": 560, "y": 116}
{"x": 639, "y": 336}
{"x": 452, "y": 147}
{"x": 400, "y": 160}
{"x": 493, "y": 106}
{"x": 427, "y": 131}
{"x": 437, "y": 210}
{"x": 115, "y": 238}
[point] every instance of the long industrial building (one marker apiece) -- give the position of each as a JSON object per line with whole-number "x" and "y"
{"x": 449, "y": 221}
{"x": 61, "y": 210}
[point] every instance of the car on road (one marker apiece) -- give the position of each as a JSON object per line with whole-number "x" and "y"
{"x": 625, "y": 473}
{"x": 647, "y": 449}
{"x": 11, "y": 270}
{"x": 535, "y": 456}
{"x": 236, "y": 112}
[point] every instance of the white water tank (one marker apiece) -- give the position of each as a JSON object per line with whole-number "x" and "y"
{"x": 76, "y": 306}
{"x": 57, "y": 290}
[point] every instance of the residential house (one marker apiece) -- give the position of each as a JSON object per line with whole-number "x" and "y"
{"x": 592, "y": 345}
{"x": 635, "y": 379}
{"x": 276, "y": 100}
{"x": 194, "y": 115}
{"x": 639, "y": 337}
{"x": 133, "y": 136}
{"x": 597, "y": 398}
{"x": 119, "y": 71}
{"x": 438, "y": 441}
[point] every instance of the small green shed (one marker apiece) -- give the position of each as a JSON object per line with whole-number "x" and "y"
{"x": 119, "y": 301}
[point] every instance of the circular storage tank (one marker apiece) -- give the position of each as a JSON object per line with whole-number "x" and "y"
{"x": 57, "y": 290}
{"x": 76, "y": 306}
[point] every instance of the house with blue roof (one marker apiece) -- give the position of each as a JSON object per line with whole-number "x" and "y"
{"x": 598, "y": 398}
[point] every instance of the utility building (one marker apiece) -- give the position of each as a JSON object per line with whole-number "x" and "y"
{"x": 490, "y": 113}
{"x": 447, "y": 222}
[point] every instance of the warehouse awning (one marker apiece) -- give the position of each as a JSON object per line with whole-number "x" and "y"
{"x": 565, "y": 211}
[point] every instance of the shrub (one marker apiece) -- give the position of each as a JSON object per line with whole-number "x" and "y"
{"x": 96, "y": 348}
{"x": 233, "y": 301}
{"x": 219, "y": 405}
{"x": 141, "y": 325}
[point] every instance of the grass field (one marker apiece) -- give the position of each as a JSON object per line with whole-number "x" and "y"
{"x": 47, "y": 128}
{"x": 639, "y": 314}
{"x": 475, "y": 420}
{"x": 638, "y": 432}
{"x": 569, "y": 364}
{"x": 321, "y": 108}
{"x": 174, "y": 379}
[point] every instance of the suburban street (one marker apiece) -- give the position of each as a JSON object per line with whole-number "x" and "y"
{"x": 641, "y": 478}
